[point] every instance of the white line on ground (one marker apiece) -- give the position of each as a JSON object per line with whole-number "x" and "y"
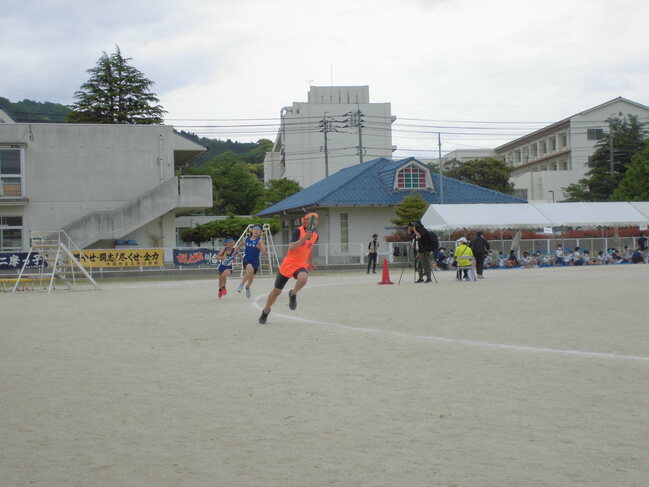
{"x": 458, "y": 341}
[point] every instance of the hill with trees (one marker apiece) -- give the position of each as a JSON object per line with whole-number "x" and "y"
{"x": 28, "y": 111}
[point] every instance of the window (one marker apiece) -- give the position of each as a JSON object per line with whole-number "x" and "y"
{"x": 11, "y": 233}
{"x": 564, "y": 141}
{"x": 11, "y": 179}
{"x": 553, "y": 144}
{"x": 411, "y": 177}
{"x": 595, "y": 134}
{"x": 344, "y": 232}
{"x": 544, "y": 145}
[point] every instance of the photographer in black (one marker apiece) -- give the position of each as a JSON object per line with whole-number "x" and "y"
{"x": 480, "y": 247}
{"x": 425, "y": 242}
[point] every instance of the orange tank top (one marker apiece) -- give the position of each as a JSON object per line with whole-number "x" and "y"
{"x": 297, "y": 258}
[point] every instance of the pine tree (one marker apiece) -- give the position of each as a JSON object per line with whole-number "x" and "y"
{"x": 116, "y": 93}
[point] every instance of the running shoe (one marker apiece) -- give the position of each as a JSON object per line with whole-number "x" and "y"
{"x": 263, "y": 317}
{"x": 220, "y": 292}
{"x": 240, "y": 287}
{"x": 225, "y": 291}
{"x": 292, "y": 300}
{"x": 248, "y": 293}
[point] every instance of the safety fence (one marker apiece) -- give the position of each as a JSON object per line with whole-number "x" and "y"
{"x": 115, "y": 262}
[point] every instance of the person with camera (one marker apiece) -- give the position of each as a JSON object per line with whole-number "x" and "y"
{"x": 425, "y": 242}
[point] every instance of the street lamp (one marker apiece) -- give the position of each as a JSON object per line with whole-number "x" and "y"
{"x": 550, "y": 191}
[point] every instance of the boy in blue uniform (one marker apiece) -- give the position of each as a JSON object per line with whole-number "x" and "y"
{"x": 226, "y": 255}
{"x": 253, "y": 246}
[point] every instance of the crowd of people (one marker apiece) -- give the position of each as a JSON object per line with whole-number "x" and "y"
{"x": 561, "y": 257}
{"x": 476, "y": 255}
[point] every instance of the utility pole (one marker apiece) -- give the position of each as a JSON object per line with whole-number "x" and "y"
{"x": 326, "y": 128}
{"x": 610, "y": 147}
{"x": 441, "y": 168}
{"x": 358, "y": 121}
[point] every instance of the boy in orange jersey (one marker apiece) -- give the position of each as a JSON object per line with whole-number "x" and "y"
{"x": 296, "y": 264}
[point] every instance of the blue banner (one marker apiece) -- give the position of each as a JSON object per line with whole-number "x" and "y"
{"x": 15, "y": 260}
{"x": 195, "y": 257}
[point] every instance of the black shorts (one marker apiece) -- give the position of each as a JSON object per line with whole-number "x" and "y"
{"x": 281, "y": 280}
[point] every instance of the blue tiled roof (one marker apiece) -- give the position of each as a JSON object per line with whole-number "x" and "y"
{"x": 371, "y": 184}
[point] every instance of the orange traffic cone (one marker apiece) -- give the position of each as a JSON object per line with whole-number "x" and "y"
{"x": 386, "y": 274}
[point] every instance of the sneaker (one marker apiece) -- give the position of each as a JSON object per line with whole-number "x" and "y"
{"x": 429, "y": 280}
{"x": 421, "y": 279}
{"x": 248, "y": 293}
{"x": 263, "y": 317}
{"x": 480, "y": 276}
{"x": 240, "y": 287}
{"x": 220, "y": 292}
{"x": 225, "y": 291}
{"x": 292, "y": 300}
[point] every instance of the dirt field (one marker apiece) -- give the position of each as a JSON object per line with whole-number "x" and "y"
{"x": 530, "y": 377}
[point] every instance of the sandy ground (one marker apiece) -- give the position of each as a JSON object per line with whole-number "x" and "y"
{"x": 530, "y": 377}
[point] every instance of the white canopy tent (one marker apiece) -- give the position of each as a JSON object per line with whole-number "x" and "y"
{"x": 535, "y": 215}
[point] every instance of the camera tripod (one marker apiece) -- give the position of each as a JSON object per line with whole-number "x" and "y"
{"x": 416, "y": 269}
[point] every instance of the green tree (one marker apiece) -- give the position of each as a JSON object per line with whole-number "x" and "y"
{"x": 599, "y": 183}
{"x": 277, "y": 190}
{"x": 488, "y": 173}
{"x": 236, "y": 189}
{"x": 411, "y": 208}
{"x": 116, "y": 93}
{"x": 35, "y": 111}
{"x": 232, "y": 226}
{"x": 634, "y": 186}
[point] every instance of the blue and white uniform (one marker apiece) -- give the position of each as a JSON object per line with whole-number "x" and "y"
{"x": 251, "y": 255}
{"x": 227, "y": 263}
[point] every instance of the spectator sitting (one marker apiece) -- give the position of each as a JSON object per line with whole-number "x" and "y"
{"x": 567, "y": 257}
{"x": 602, "y": 257}
{"x": 586, "y": 257}
{"x": 558, "y": 255}
{"x": 441, "y": 259}
{"x": 626, "y": 254}
{"x": 501, "y": 260}
{"x": 512, "y": 261}
{"x": 545, "y": 261}
{"x": 636, "y": 257}
{"x": 491, "y": 260}
{"x": 576, "y": 257}
{"x": 616, "y": 258}
{"x": 527, "y": 260}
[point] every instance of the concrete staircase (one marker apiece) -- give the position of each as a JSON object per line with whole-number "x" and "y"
{"x": 184, "y": 193}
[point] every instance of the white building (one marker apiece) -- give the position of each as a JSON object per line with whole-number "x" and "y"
{"x": 99, "y": 183}
{"x": 465, "y": 155}
{"x": 323, "y": 135}
{"x": 546, "y": 161}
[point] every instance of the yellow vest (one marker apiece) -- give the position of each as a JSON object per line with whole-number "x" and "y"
{"x": 462, "y": 254}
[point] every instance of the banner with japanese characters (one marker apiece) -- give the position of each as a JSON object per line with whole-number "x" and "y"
{"x": 16, "y": 260}
{"x": 195, "y": 257}
{"x": 121, "y": 258}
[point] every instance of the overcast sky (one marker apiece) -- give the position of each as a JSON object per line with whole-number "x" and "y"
{"x": 454, "y": 64}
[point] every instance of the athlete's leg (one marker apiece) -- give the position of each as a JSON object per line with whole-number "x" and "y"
{"x": 300, "y": 280}
{"x": 280, "y": 282}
